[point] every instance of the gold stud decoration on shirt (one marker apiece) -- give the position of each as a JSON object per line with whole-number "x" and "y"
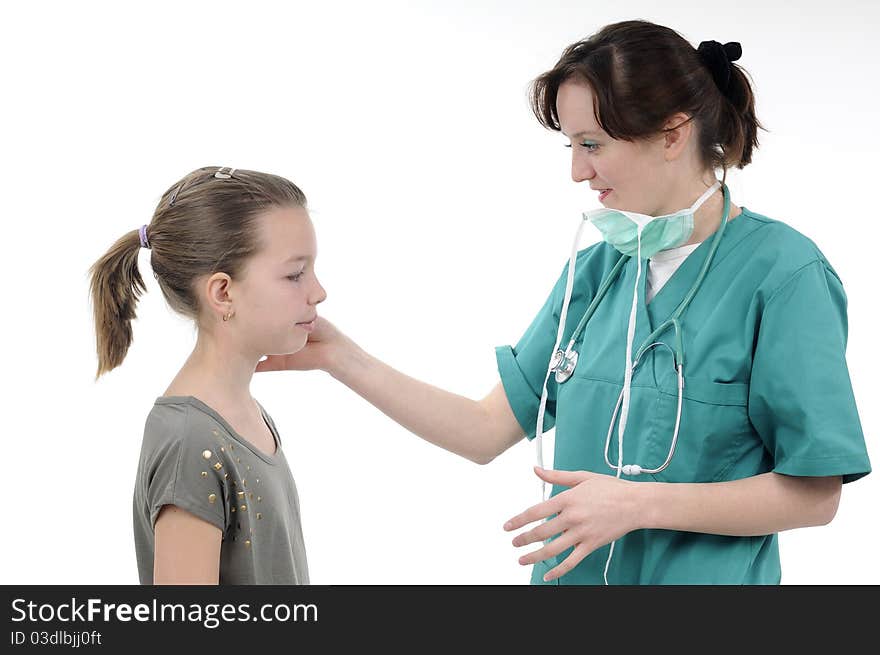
{"x": 233, "y": 508}
{"x": 244, "y": 508}
{"x": 243, "y": 482}
{"x": 212, "y": 498}
{"x": 241, "y": 494}
{"x": 259, "y": 499}
{"x": 222, "y": 449}
{"x": 259, "y": 515}
{"x": 217, "y": 466}
{"x": 247, "y": 543}
{"x": 207, "y": 454}
{"x": 204, "y": 474}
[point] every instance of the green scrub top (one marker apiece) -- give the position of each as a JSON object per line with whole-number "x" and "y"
{"x": 766, "y": 388}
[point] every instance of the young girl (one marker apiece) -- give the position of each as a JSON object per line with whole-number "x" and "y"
{"x": 693, "y": 363}
{"x": 214, "y": 499}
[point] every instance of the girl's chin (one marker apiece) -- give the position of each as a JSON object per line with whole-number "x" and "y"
{"x": 297, "y": 343}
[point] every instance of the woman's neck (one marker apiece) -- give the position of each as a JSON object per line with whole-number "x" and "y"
{"x": 707, "y": 219}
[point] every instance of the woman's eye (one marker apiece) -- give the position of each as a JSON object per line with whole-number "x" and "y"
{"x": 591, "y": 147}
{"x": 295, "y": 277}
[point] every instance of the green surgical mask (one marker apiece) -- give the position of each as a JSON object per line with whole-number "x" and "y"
{"x": 644, "y": 236}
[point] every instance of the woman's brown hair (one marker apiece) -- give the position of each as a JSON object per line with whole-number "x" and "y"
{"x": 204, "y": 223}
{"x": 641, "y": 74}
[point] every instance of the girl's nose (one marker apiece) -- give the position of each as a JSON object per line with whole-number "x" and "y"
{"x": 321, "y": 294}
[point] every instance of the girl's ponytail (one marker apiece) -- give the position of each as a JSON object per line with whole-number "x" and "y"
{"x": 116, "y": 284}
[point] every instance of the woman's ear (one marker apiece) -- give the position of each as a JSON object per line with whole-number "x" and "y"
{"x": 678, "y": 131}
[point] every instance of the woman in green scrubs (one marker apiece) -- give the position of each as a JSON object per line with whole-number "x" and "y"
{"x": 743, "y": 420}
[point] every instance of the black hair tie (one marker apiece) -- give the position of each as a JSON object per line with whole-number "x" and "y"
{"x": 717, "y": 58}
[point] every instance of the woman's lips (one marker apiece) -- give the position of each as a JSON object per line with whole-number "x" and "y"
{"x": 308, "y": 327}
{"x": 604, "y": 194}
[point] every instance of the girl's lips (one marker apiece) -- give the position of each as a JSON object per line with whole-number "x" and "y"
{"x": 308, "y": 327}
{"x": 604, "y": 194}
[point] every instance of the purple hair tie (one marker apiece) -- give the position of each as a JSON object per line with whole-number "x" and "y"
{"x": 143, "y": 234}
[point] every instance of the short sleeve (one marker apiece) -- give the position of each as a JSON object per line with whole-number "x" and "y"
{"x": 801, "y": 400}
{"x": 522, "y": 368}
{"x": 185, "y": 473}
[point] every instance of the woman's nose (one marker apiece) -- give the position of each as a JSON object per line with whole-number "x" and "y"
{"x": 581, "y": 169}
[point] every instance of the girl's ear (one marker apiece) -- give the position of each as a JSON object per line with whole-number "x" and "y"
{"x": 217, "y": 296}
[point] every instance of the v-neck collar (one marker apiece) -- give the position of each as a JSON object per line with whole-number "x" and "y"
{"x": 670, "y": 295}
{"x": 667, "y": 299}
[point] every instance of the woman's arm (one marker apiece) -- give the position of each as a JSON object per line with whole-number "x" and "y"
{"x": 598, "y": 508}
{"x": 186, "y": 549}
{"x": 478, "y": 430}
{"x": 758, "y": 505}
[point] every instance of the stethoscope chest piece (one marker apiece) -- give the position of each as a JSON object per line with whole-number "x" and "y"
{"x": 563, "y": 364}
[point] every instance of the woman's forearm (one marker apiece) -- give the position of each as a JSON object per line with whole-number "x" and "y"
{"x": 758, "y": 505}
{"x": 458, "y": 424}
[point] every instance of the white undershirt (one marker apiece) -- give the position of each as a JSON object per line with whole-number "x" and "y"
{"x": 661, "y": 267}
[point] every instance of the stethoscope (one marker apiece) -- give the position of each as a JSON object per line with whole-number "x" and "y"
{"x": 563, "y": 362}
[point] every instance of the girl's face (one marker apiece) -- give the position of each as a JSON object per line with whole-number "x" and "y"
{"x": 636, "y": 173}
{"x": 278, "y": 294}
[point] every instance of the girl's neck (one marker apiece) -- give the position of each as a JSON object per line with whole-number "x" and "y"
{"x": 219, "y": 377}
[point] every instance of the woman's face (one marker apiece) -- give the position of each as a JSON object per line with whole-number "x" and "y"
{"x": 637, "y": 173}
{"x": 279, "y": 291}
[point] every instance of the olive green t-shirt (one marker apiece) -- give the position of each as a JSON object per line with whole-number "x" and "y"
{"x": 192, "y": 458}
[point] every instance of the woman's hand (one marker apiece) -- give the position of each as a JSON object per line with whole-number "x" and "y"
{"x": 596, "y": 510}
{"x": 324, "y": 343}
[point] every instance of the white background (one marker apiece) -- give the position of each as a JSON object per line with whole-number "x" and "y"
{"x": 444, "y": 214}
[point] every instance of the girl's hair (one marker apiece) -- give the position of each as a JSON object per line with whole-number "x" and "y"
{"x": 641, "y": 74}
{"x": 203, "y": 224}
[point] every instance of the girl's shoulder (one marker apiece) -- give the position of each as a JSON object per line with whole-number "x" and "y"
{"x": 179, "y": 423}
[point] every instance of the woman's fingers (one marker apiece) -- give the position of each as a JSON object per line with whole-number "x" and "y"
{"x": 535, "y": 513}
{"x": 565, "y": 540}
{"x": 542, "y": 532}
{"x": 579, "y": 553}
{"x": 562, "y": 478}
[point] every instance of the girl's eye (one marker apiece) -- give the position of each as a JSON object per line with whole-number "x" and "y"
{"x": 296, "y": 277}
